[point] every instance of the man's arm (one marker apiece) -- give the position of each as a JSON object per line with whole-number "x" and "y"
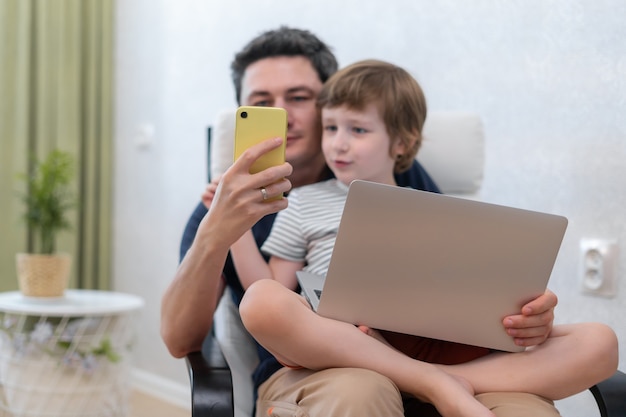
{"x": 191, "y": 228}
{"x": 189, "y": 302}
{"x": 534, "y": 324}
{"x": 191, "y": 299}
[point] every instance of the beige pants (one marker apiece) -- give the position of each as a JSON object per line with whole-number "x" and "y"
{"x": 347, "y": 392}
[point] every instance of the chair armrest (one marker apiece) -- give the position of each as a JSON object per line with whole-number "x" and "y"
{"x": 211, "y": 382}
{"x": 610, "y": 395}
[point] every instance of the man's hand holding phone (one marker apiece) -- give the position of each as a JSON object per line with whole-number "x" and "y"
{"x": 238, "y": 203}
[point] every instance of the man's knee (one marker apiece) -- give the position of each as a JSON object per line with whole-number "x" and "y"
{"x": 358, "y": 392}
{"x": 362, "y": 384}
{"x": 341, "y": 392}
{"x": 515, "y": 404}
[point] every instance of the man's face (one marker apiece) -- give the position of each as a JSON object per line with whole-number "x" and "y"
{"x": 293, "y": 84}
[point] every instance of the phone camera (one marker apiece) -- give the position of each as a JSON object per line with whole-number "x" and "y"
{"x": 244, "y": 114}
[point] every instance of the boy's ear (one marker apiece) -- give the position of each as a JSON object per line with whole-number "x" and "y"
{"x": 399, "y": 148}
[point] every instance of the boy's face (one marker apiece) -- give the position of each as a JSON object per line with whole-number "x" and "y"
{"x": 293, "y": 84}
{"x": 356, "y": 145}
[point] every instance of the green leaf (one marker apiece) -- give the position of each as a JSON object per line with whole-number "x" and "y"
{"x": 48, "y": 198}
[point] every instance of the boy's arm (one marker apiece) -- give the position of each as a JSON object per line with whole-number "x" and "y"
{"x": 251, "y": 265}
{"x": 248, "y": 261}
{"x": 285, "y": 271}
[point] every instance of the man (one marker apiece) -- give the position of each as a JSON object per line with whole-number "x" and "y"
{"x": 286, "y": 68}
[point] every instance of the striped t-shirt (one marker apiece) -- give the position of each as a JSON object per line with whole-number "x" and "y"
{"x": 307, "y": 228}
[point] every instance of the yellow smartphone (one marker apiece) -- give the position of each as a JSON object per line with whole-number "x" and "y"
{"x": 253, "y": 125}
{"x": 256, "y": 124}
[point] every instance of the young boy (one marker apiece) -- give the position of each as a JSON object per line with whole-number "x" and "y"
{"x": 372, "y": 117}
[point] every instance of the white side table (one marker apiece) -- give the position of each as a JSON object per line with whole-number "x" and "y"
{"x": 67, "y": 356}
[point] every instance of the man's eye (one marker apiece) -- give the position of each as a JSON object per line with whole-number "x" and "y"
{"x": 263, "y": 103}
{"x": 299, "y": 98}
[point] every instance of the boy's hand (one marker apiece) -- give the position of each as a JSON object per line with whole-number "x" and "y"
{"x": 209, "y": 192}
{"x": 534, "y": 324}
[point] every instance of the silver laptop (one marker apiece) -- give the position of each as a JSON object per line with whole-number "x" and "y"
{"x": 433, "y": 265}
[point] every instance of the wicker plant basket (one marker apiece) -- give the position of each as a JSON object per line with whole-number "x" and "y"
{"x": 43, "y": 275}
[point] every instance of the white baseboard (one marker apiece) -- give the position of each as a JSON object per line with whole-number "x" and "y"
{"x": 161, "y": 388}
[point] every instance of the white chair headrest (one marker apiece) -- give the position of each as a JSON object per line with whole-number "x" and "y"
{"x": 453, "y": 149}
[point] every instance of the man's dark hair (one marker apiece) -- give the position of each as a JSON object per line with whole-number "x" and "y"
{"x": 284, "y": 41}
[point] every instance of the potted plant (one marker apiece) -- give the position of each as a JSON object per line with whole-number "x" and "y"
{"x": 48, "y": 198}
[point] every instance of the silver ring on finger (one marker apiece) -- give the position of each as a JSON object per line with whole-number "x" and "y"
{"x": 264, "y": 193}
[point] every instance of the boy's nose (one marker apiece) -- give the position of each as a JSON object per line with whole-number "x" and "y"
{"x": 341, "y": 142}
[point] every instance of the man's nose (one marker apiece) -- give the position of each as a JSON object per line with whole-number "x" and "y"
{"x": 282, "y": 103}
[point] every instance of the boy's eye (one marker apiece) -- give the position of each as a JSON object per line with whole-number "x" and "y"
{"x": 330, "y": 128}
{"x": 359, "y": 130}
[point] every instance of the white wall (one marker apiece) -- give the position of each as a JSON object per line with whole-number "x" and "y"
{"x": 548, "y": 77}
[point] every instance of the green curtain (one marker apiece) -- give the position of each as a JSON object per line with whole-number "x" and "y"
{"x": 56, "y": 66}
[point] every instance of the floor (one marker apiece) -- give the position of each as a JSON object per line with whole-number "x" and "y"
{"x": 143, "y": 405}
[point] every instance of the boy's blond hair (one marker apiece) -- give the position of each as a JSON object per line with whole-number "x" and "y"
{"x": 398, "y": 96}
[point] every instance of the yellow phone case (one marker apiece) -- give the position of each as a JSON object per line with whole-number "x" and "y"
{"x": 256, "y": 124}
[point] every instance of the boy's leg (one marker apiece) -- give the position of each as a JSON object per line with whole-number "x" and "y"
{"x": 573, "y": 358}
{"x": 283, "y": 323}
{"x": 341, "y": 392}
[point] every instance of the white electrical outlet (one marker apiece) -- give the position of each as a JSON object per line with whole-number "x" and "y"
{"x": 598, "y": 266}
